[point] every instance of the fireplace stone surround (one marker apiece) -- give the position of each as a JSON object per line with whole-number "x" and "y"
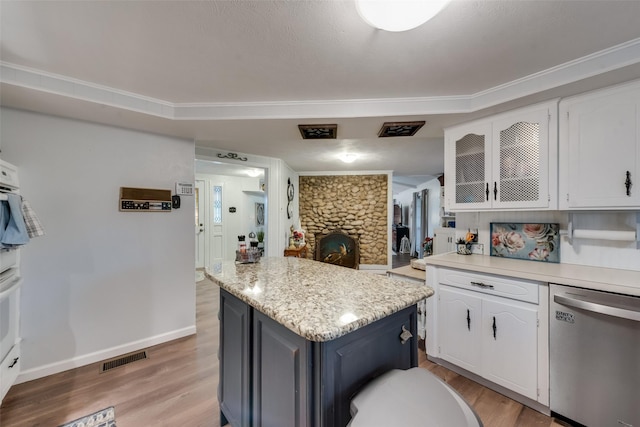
{"x": 357, "y": 205}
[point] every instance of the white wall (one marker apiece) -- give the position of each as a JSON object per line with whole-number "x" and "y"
{"x": 100, "y": 282}
{"x": 597, "y": 253}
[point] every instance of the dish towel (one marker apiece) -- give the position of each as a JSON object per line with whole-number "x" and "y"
{"x": 34, "y": 227}
{"x": 13, "y": 231}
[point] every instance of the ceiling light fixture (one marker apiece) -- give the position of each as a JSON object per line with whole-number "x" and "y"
{"x": 253, "y": 173}
{"x": 348, "y": 157}
{"x": 398, "y": 15}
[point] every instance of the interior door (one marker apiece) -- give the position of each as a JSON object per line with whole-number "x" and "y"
{"x": 216, "y": 227}
{"x": 199, "y": 223}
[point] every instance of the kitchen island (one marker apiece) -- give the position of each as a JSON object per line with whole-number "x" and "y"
{"x": 299, "y": 338}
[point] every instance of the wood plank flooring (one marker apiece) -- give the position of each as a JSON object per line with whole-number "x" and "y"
{"x": 176, "y": 387}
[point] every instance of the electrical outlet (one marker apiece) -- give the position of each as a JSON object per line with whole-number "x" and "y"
{"x": 477, "y": 249}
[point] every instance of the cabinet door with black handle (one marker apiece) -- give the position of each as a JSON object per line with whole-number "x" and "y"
{"x": 459, "y": 328}
{"x": 509, "y": 348}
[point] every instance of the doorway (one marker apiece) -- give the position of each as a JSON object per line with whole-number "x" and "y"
{"x": 232, "y": 203}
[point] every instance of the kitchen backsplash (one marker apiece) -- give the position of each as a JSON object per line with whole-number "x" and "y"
{"x": 598, "y": 253}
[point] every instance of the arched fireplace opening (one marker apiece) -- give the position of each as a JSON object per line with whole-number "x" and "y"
{"x": 337, "y": 248}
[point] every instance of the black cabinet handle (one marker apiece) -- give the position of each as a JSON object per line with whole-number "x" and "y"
{"x": 468, "y": 320}
{"x": 628, "y": 183}
{"x": 481, "y": 285}
{"x": 495, "y": 190}
{"x": 495, "y": 328}
{"x": 487, "y": 191}
{"x": 15, "y": 361}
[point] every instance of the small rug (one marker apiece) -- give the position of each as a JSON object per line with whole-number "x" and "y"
{"x": 103, "y": 418}
{"x": 199, "y": 276}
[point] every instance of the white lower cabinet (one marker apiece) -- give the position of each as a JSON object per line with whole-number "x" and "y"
{"x": 493, "y": 327}
{"x": 509, "y": 346}
{"x": 459, "y": 328}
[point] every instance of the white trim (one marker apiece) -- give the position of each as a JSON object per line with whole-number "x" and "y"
{"x": 610, "y": 59}
{"x": 87, "y": 359}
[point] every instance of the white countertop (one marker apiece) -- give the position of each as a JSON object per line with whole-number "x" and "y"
{"x": 318, "y": 301}
{"x": 604, "y": 279}
{"x": 408, "y": 271}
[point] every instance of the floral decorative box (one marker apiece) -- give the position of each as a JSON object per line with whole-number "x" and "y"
{"x": 535, "y": 242}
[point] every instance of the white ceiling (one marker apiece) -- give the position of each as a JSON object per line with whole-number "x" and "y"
{"x": 241, "y": 75}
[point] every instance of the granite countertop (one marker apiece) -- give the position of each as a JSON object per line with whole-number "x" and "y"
{"x": 318, "y": 301}
{"x": 598, "y": 278}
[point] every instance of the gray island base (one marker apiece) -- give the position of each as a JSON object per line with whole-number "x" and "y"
{"x": 299, "y": 339}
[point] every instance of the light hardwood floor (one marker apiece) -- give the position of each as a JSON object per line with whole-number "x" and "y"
{"x": 176, "y": 387}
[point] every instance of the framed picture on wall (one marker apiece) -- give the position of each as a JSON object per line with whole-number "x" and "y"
{"x": 534, "y": 242}
{"x": 259, "y": 213}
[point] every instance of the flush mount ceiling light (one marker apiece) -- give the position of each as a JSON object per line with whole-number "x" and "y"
{"x": 398, "y": 15}
{"x": 348, "y": 157}
{"x": 254, "y": 173}
{"x": 390, "y": 129}
{"x": 318, "y": 131}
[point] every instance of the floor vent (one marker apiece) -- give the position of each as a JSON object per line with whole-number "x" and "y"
{"x": 123, "y": 360}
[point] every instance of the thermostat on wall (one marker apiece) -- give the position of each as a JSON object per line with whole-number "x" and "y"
{"x": 184, "y": 189}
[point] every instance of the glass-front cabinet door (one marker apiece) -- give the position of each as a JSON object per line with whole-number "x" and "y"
{"x": 507, "y": 162}
{"x": 520, "y": 173}
{"x": 469, "y": 154}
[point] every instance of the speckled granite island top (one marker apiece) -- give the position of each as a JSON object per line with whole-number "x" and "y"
{"x": 317, "y": 301}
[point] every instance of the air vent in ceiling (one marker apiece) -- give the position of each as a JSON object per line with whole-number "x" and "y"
{"x": 318, "y": 131}
{"x": 390, "y": 129}
{"x": 123, "y": 360}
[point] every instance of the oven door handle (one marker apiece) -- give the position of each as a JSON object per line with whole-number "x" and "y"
{"x": 598, "y": 308}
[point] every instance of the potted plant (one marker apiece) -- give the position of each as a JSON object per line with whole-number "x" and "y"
{"x": 260, "y": 236}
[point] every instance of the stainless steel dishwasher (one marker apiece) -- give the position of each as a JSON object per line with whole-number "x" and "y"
{"x": 594, "y": 357}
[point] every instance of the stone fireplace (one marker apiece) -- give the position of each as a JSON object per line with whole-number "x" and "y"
{"x": 356, "y": 205}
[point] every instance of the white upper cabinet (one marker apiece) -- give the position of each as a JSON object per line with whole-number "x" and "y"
{"x": 600, "y": 149}
{"x": 504, "y": 162}
{"x": 468, "y": 162}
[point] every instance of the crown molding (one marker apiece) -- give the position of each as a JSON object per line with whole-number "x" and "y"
{"x": 610, "y": 59}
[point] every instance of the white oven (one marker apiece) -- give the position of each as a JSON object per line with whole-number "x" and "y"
{"x": 10, "y": 282}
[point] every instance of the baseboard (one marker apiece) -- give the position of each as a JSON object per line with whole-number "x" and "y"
{"x": 87, "y": 359}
